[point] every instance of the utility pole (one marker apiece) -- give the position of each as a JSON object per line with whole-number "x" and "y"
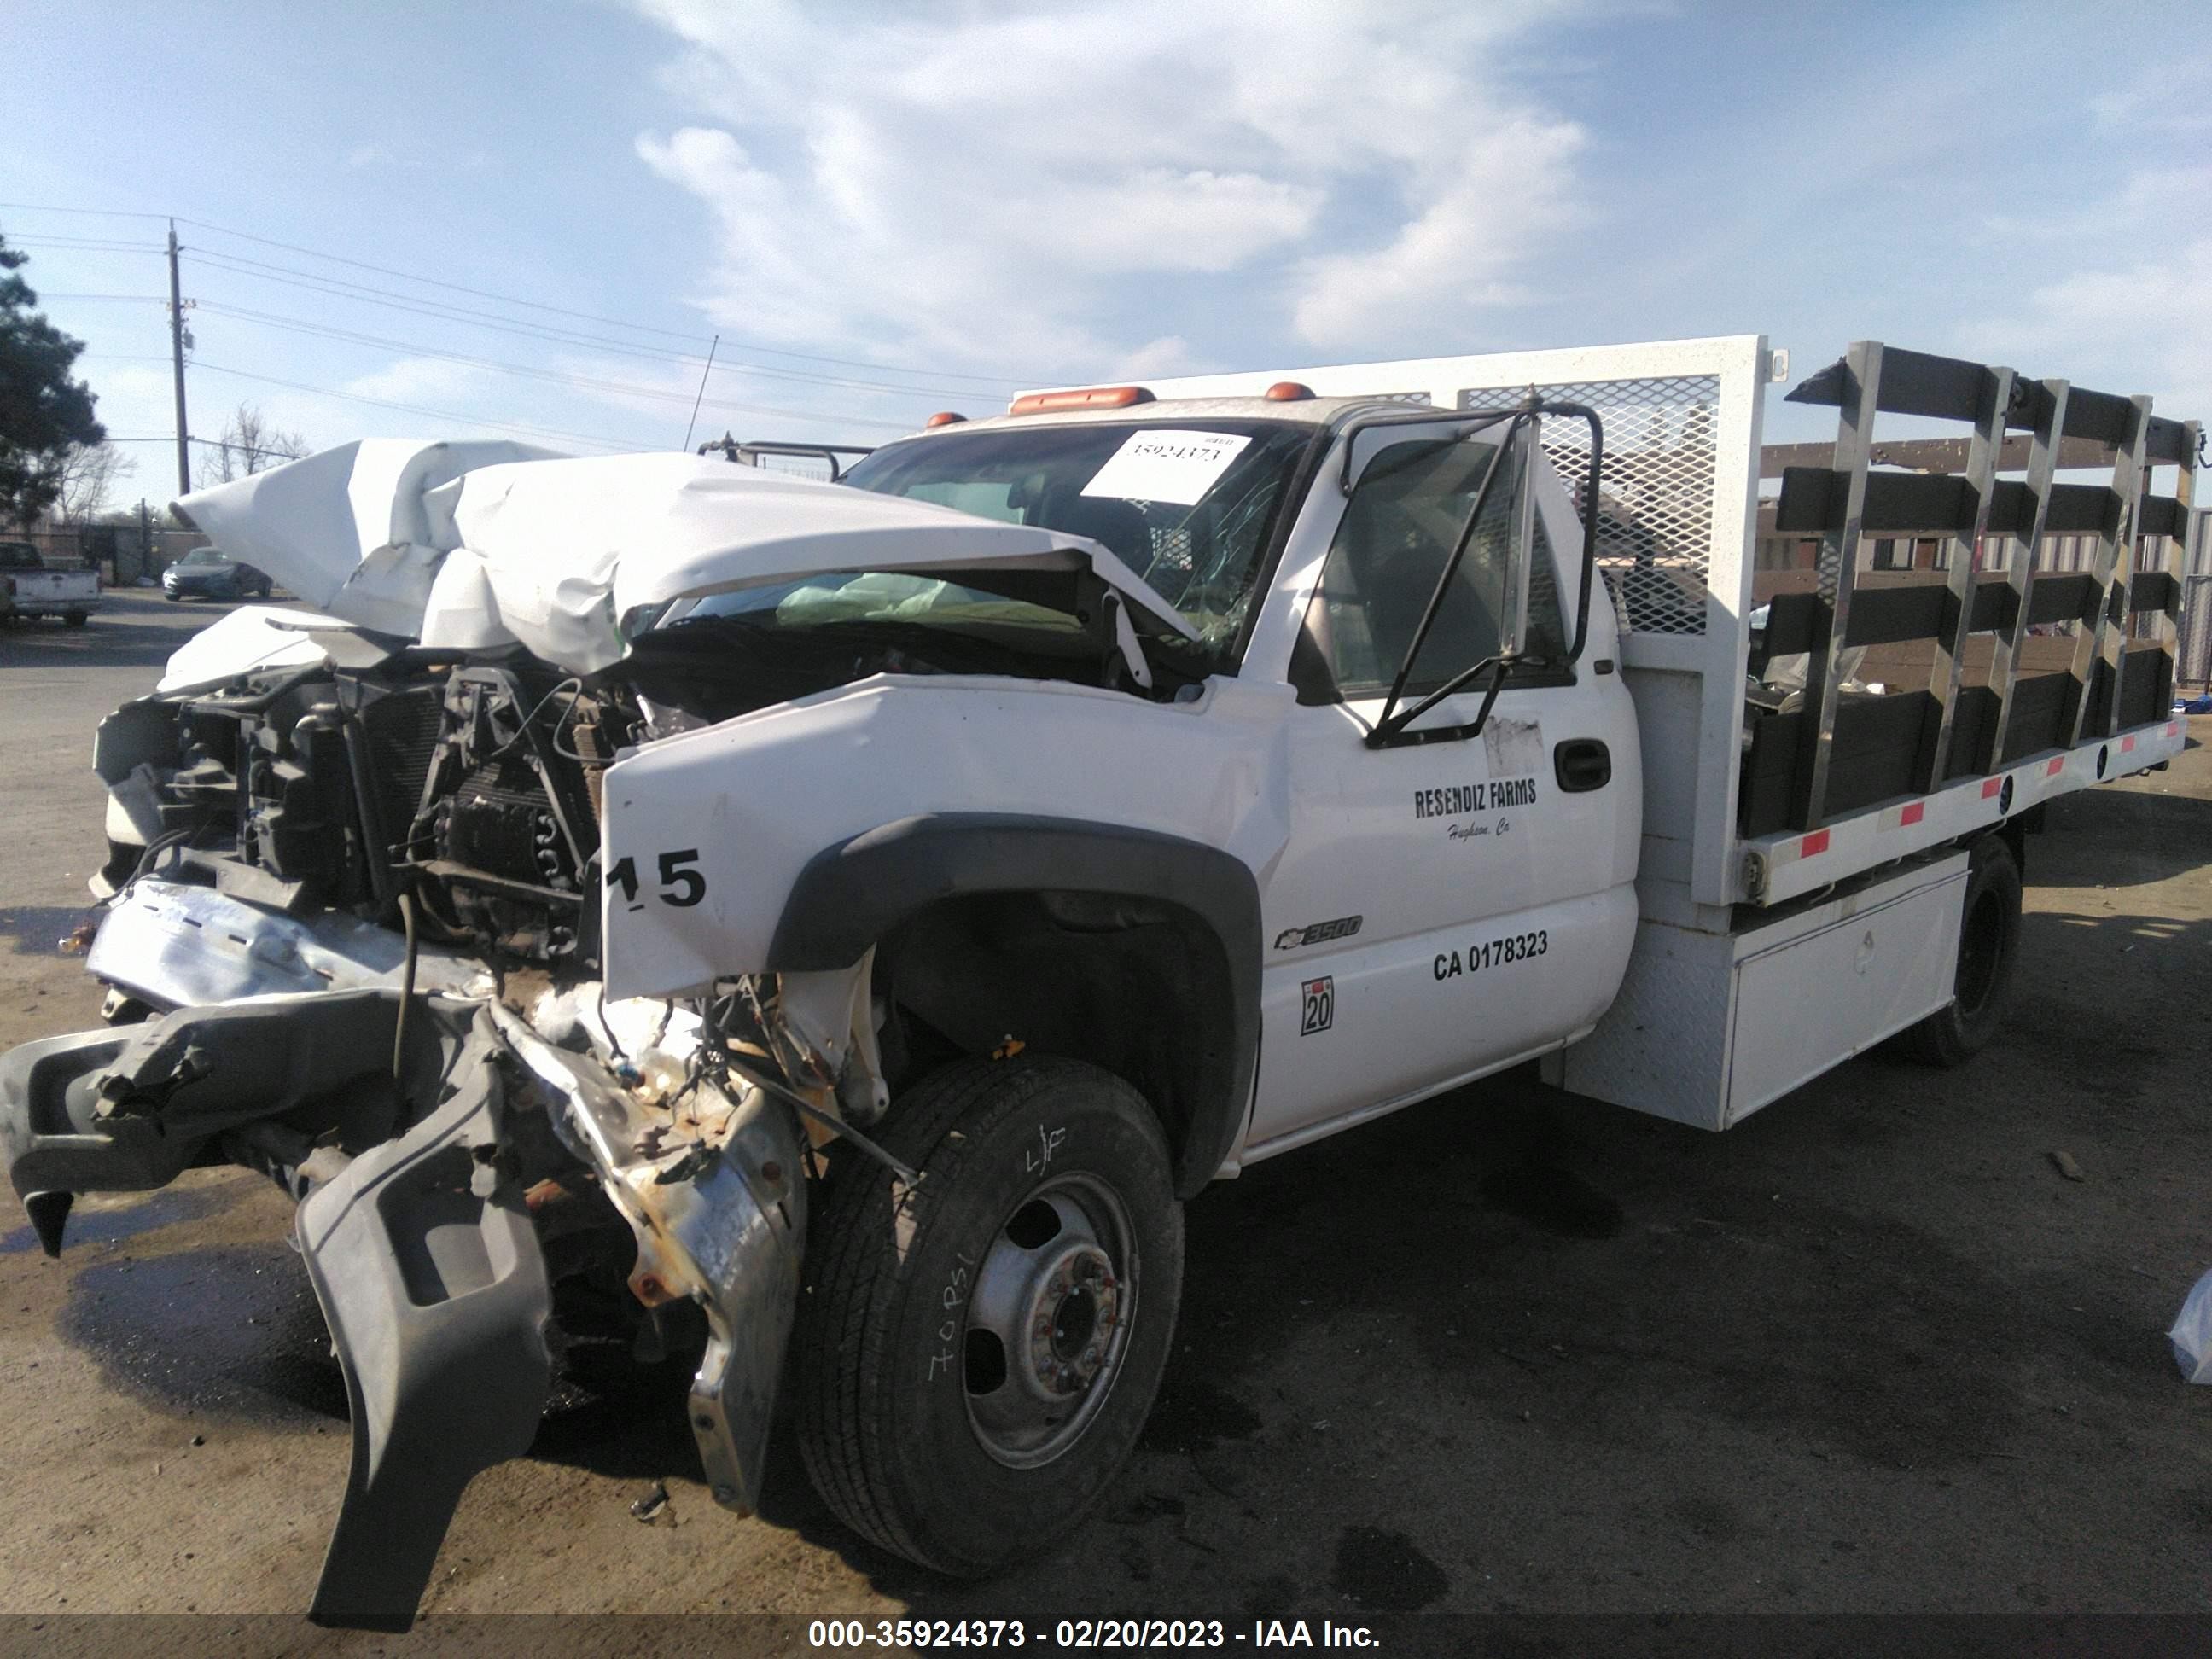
{"x": 177, "y": 367}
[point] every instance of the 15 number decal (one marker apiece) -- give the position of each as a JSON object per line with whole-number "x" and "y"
{"x": 681, "y": 886}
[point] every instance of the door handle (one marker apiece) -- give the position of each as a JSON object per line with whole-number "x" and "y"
{"x": 1582, "y": 764}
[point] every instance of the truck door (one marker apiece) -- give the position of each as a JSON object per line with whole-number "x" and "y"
{"x": 1450, "y": 901}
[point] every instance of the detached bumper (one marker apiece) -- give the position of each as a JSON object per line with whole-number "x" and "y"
{"x": 421, "y": 1249}
{"x": 422, "y": 1255}
{"x": 420, "y": 1246}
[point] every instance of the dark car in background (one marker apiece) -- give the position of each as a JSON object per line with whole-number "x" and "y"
{"x": 209, "y": 572}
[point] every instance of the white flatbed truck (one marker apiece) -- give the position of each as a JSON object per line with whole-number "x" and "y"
{"x": 855, "y": 917}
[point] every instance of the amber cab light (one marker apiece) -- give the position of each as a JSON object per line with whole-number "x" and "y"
{"x": 1086, "y": 397}
{"x": 1287, "y": 391}
{"x": 945, "y": 417}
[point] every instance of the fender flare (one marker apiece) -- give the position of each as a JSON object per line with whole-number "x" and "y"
{"x": 849, "y": 895}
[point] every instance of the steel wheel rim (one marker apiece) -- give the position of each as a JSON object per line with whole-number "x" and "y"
{"x": 1048, "y": 1328}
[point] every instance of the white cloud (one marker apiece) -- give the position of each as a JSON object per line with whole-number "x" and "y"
{"x": 972, "y": 187}
{"x": 2162, "y": 96}
{"x": 1504, "y": 201}
{"x": 2125, "y": 318}
{"x": 2129, "y": 327}
{"x": 423, "y": 379}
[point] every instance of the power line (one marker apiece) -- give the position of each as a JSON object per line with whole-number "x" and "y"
{"x": 223, "y": 259}
{"x": 82, "y": 213}
{"x": 417, "y": 408}
{"x": 101, "y": 244}
{"x": 433, "y": 282}
{"x": 437, "y": 310}
{"x": 555, "y": 377}
{"x": 503, "y": 299}
{"x": 337, "y": 289}
{"x": 302, "y": 325}
{"x": 552, "y": 376}
{"x": 563, "y": 310}
{"x": 580, "y": 382}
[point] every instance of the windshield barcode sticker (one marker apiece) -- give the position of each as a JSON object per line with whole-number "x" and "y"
{"x": 1168, "y": 465}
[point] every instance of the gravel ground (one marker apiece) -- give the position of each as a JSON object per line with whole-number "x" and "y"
{"x": 1870, "y": 1351}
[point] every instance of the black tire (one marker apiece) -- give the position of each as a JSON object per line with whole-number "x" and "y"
{"x": 889, "y": 1359}
{"x": 1988, "y": 944}
{"x": 75, "y": 618}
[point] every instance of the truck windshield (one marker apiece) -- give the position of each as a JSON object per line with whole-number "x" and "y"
{"x": 1187, "y": 507}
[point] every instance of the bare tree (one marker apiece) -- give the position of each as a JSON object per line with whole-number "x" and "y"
{"x": 249, "y": 445}
{"x": 84, "y": 477}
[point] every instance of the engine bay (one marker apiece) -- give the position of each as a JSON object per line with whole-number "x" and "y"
{"x": 468, "y": 787}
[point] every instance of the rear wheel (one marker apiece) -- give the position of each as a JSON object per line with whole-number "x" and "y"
{"x": 1988, "y": 941}
{"x": 75, "y": 618}
{"x": 976, "y": 1358}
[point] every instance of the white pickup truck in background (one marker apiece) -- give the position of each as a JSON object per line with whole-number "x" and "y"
{"x": 676, "y": 908}
{"x": 30, "y": 586}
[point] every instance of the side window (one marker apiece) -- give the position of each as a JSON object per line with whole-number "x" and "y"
{"x": 1398, "y": 530}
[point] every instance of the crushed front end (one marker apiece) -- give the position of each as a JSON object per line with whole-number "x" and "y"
{"x": 351, "y": 940}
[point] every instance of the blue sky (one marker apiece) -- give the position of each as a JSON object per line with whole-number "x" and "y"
{"x": 886, "y": 211}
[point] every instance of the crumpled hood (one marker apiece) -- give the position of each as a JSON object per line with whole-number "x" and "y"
{"x": 483, "y": 544}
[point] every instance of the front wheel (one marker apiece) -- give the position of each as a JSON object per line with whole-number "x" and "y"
{"x": 1988, "y": 941}
{"x": 976, "y": 1356}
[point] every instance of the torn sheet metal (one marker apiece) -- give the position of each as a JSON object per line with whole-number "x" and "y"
{"x": 476, "y": 546}
{"x": 824, "y": 1033}
{"x": 254, "y": 636}
{"x": 350, "y": 530}
{"x": 715, "y": 1191}
{"x": 180, "y": 947}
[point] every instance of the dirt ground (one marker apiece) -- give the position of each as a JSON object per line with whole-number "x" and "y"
{"x": 1507, "y": 1351}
